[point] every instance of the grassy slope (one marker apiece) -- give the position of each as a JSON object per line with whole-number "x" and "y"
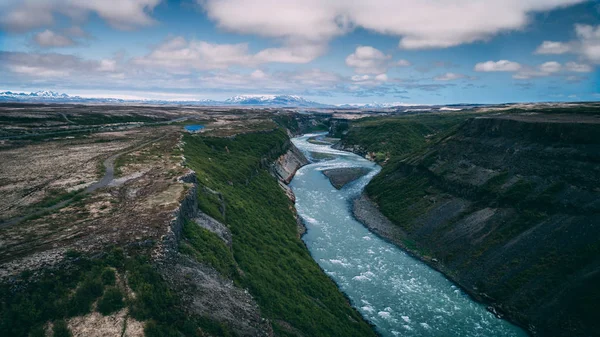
{"x": 277, "y": 268}
{"x": 398, "y": 136}
{"x": 406, "y": 185}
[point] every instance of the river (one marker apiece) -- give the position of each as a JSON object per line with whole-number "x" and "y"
{"x": 397, "y": 293}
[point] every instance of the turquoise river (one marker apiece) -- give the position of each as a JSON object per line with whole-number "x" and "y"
{"x": 397, "y": 293}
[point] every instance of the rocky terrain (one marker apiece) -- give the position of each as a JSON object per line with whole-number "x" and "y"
{"x": 339, "y": 177}
{"x": 507, "y": 205}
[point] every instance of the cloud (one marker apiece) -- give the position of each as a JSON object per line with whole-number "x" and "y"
{"x": 179, "y": 54}
{"x": 107, "y": 65}
{"x": 44, "y": 65}
{"x": 553, "y": 48}
{"x": 403, "y": 63}
{"x": 579, "y": 67}
{"x": 290, "y": 53}
{"x": 448, "y": 23}
{"x": 381, "y": 77}
{"x": 258, "y": 74}
{"x": 368, "y": 60}
{"x": 25, "y": 15}
{"x": 502, "y": 65}
{"x": 550, "y": 67}
{"x": 50, "y": 39}
{"x": 589, "y": 37}
{"x": 587, "y": 44}
{"x": 449, "y": 77}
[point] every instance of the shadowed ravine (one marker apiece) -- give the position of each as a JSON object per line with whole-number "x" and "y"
{"x": 400, "y": 295}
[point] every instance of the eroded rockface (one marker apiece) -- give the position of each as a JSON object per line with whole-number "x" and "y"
{"x": 284, "y": 169}
{"x": 204, "y": 292}
{"x": 508, "y": 207}
{"x": 287, "y": 164}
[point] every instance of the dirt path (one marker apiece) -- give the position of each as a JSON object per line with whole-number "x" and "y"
{"x": 109, "y": 174}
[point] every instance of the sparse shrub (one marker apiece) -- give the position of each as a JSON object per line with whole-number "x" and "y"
{"x": 154, "y": 329}
{"x": 72, "y": 254}
{"x": 111, "y": 301}
{"x": 116, "y": 257}
{"x": 108, "y": 277}
{"x": 38, "y": 332}
{"x": 61, "y": 329}
{"x": 84, "y": 296}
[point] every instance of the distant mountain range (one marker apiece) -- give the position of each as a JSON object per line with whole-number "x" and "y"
{"x": 240, "y": 100}
{"x": 47, "y": 96}
{"x": 264, "y": 101}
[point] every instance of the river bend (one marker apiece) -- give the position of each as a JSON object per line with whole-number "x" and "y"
{"x": 399, "y": 294}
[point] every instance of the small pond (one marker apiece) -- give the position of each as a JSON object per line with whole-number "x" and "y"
{"x": 193, "y": 127}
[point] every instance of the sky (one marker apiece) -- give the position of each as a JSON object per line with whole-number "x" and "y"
{"x": 330, "y": 51}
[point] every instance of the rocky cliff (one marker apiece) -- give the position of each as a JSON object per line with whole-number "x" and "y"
{"x": 508, "y": 206}
{"x": 203, "y": 290}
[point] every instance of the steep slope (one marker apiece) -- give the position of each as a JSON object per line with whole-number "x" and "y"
{"x": 271, "y": 261}
{"x": 509, "y": 207}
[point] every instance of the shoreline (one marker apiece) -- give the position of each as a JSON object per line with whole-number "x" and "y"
{"x": 367, "y": 213}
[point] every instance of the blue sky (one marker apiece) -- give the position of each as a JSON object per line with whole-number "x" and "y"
{"x": 335, "y": 51}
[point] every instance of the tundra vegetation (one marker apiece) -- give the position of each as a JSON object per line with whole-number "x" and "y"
{"x": 66, "y": 269}
{"x": 504, "y": 202}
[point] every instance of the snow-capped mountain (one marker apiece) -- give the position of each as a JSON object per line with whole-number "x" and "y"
{"x": 37, "y": 94}
{"x": 240, "y": 100}
{"x": 48, "y": 93}
{"x": 272, "y": 100}
{"x": 373, "y": 105}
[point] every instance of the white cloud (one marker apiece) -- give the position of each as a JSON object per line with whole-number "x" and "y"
{"x": 258, "y": 74}
{"x": 44, "y": 65}
{"x": 403, "y": 63}
{"x": 553, "y": 48}
{"x": 107, "y": 65}
{"x": 449, "y": 77}
{"x": 502, "y": 65}
{"x": 550, "y": 67}
{"x": 358, "y": 78}
{"x": 589, "y": 37}
{"x": 579, "y": 67}
{"x": 448, "y": 23}
{"x": 368, "y": 60}
{"x": 314, "y": 77}
{"x": 49, "y": 39}
{"x": 180, "y": 54}
{"x": 587, "y": 44}
{"x": 25, "y": 15}
{"x": 381, "y": 77}
{"x": 290, "y": 53}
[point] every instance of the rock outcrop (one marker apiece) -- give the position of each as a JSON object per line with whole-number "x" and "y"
{"x": 339, "y": 177}
{"x": 202, "y": 290}
{"x": 287, "y": 164}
